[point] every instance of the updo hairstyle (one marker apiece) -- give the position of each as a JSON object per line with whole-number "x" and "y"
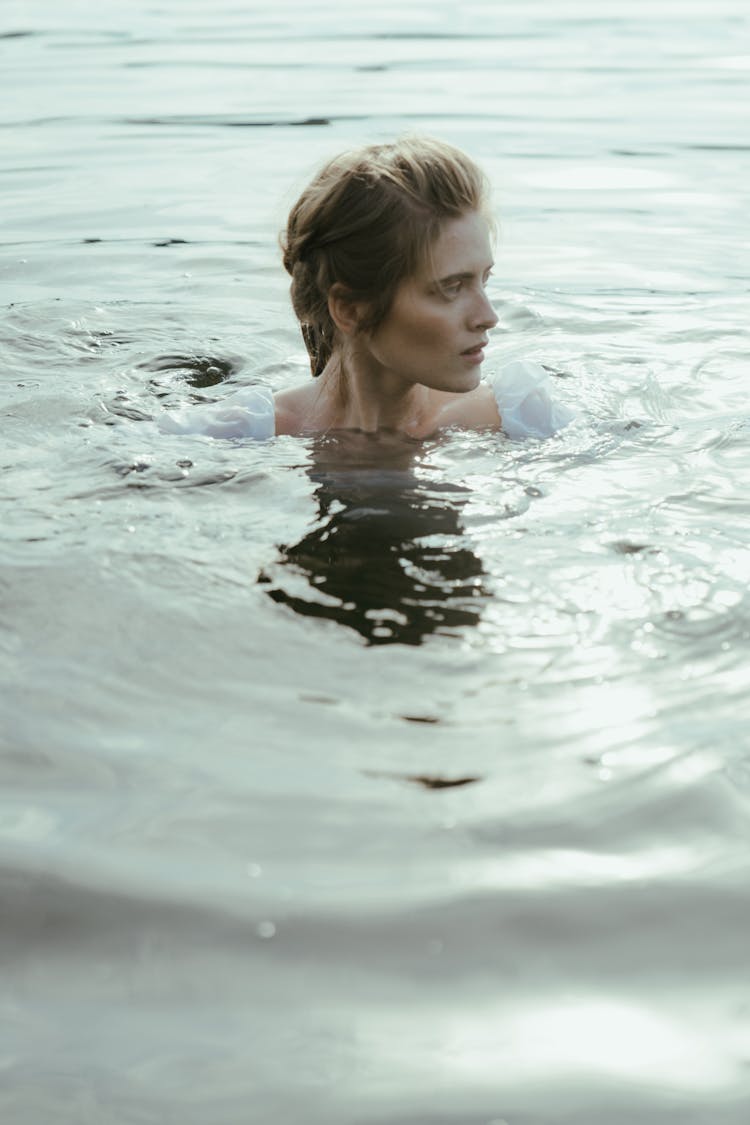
{"x": 367, "y": 221}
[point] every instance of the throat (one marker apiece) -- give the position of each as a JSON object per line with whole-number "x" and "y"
{"x": 377, "y": 401}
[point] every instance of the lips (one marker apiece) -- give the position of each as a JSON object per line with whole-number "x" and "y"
{"x": 476, "y": 349}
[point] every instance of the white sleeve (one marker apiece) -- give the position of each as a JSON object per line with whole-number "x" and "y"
{"x": 523, "y": 394}
{"x": 248, "y": 413}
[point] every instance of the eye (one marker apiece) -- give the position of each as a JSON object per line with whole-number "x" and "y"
{"x": 451, "y": 288}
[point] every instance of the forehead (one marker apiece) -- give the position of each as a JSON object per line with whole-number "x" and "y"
{"x": 463, "y": 246}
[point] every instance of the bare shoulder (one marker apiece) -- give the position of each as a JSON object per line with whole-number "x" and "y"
{"x": 475, "y": 410}
{"x": 292, "y": 408}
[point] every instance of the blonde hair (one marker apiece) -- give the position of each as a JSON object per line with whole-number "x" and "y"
{"x": 366, "y": 222}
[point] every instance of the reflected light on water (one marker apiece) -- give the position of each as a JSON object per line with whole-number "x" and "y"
{"x": 557, "y": 868}
{"x": 26, "y": 824}
{"x": 613, "y": 1039}
{"x": 591, "y": 177}
{"x": 615, "y": 718}
{"x": 730, "y": 62}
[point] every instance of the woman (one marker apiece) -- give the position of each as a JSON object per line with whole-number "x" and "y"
{"x": 389, "y": 251}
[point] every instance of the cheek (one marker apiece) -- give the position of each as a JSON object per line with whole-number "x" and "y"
{"x": 417, "y": 329}
{"x": 425, "y": 329}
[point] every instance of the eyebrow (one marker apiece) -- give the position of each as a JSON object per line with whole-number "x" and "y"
{"x": 465, "y": 276}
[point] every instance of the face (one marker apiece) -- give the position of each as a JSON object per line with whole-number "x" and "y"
{"x": 438, "y": 323}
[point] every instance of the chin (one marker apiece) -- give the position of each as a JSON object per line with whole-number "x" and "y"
{"x": 468, "y": 382}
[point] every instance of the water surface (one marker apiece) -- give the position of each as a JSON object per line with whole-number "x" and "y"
{"x": 373, "y": 783}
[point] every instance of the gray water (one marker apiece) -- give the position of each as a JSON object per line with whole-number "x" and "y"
{"x": 449, "y": 825}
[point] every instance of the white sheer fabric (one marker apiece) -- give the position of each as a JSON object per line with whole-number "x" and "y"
{"x": 247, "y": 413}
{"x": 523, "y": 393}
{"x": 522, "y": 390}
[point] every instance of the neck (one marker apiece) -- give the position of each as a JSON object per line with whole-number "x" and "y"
{"x": 363, "y": 396}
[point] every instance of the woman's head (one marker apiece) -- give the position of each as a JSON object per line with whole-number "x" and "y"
{"x": 368, "y": 221}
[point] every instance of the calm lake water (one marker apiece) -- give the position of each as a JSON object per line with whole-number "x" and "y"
{"x": 346, "y": 782}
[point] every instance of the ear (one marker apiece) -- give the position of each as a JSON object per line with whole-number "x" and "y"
{"x": 346, "y": 313}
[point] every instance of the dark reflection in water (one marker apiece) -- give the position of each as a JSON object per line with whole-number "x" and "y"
{"x": 385, "y": 557}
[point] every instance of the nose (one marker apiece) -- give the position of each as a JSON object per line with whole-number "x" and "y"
{"x": 483, "y": 314}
